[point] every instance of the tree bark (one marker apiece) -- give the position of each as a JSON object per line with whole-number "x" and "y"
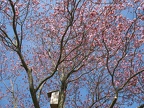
{"x": 30, "y": 80}
{"x": 62, "y": 95}
{"x": 114, "y": 101}
{"x": 32, "y": 89}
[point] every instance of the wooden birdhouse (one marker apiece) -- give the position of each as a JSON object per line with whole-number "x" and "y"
{"x": 54, "y": 96}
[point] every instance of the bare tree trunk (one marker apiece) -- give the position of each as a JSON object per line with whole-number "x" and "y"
{"x": 30, "y": 80}
{"x": 114, "y": 101}
{"x": 62, "y": 95}
{"x": 61, "y": 99}
{"x": 32, "y": 90}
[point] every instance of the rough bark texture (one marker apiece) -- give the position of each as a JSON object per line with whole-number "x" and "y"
{"x": 62, "y": 93}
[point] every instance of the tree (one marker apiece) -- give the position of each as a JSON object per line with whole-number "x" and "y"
{"x": 72, "y": 46}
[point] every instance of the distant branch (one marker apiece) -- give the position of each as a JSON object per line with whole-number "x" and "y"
{"x": 130, "y": 79}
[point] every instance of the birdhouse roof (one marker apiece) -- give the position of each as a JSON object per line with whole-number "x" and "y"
{"x": 49, "y": 93}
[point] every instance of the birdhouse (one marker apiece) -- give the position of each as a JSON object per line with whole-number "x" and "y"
{"x": 54, "y": 96}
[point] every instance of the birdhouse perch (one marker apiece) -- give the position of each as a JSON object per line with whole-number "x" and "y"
{"x": 54, "y": 96}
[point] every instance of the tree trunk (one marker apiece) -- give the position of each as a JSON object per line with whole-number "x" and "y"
{"x": 61, "y": 99}
{"x": 34, "y": 99}
{"x": 114, "y": 101}
{"x": 62, "y": 95}
{"x": 32, "y": 90}
{"x": 30, "y": 80}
